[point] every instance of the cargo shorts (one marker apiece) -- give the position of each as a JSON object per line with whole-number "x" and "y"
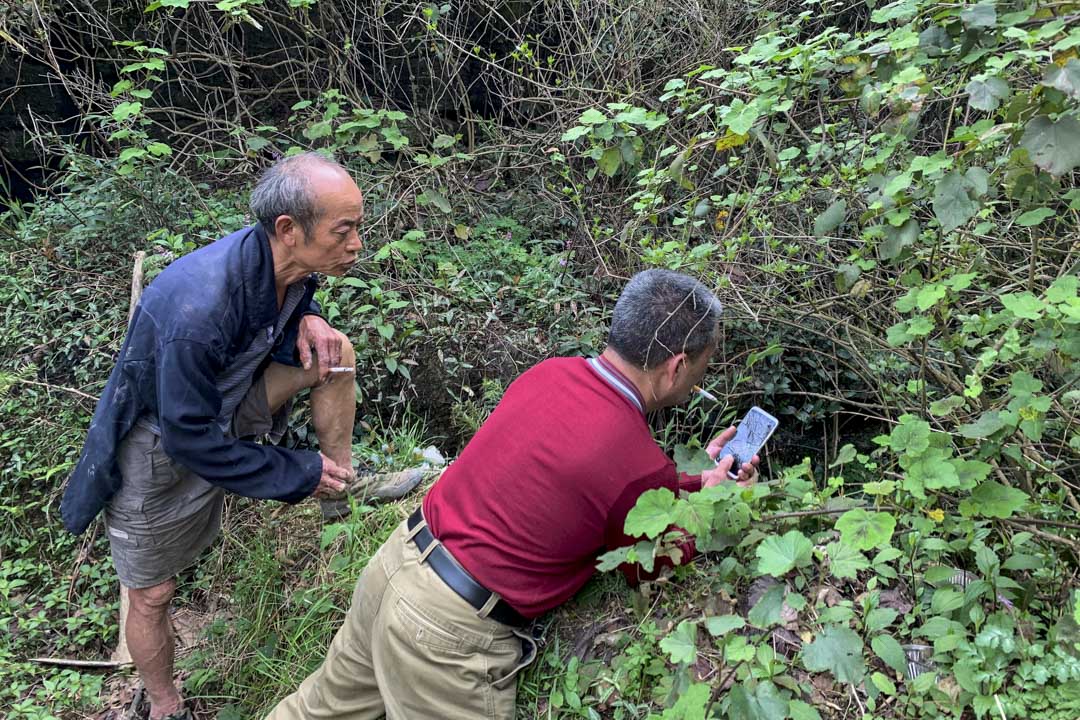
{"x": 164, "y": 516}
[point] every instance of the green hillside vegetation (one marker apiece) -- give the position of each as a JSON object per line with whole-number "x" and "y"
{"x": 883, "y": 196}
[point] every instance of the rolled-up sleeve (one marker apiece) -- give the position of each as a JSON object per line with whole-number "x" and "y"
{"x": 188, "y": 407}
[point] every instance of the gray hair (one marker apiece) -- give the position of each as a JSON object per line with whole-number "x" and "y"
{"x": 661, "y": 313}
{"x": 284, "y": 190}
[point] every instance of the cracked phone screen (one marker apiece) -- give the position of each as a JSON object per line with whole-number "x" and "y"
{"x": 750, "y": 435}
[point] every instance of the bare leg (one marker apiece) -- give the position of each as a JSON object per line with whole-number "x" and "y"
{"x": 152, "y": 644}
{"x": 333, "y": 403}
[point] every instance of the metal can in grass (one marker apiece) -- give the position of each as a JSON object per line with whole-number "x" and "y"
{"x": 919, "y": 659}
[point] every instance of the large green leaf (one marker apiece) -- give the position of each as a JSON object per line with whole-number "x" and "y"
{"x": 722, "y": 624}
{"x": 1053, "y": 146}
{"x": 778, "y": 556}
{"x": 992, "y": 499}
{"x": 763, "y": 702}
{"x": 982, "y": 15}
{"x": 888, "y": 649}
{"x": 865, "y": 530}
{"x": 681, "y": 645}
{"x": 740, "y": 117}
{"x": 690, "y": 705}
{"x": 838, "y": 650}
{"x": 898, "y": 238}
{"x": 911, "y": 436}
{"x": 830, "y": 218}
{"x": 845, "y": 561}
{"x": 953, "y": 205}
{"x": 1064, "y": 78}
{"x": 987, "y": 94}
{"x": 987, "y": 424}
{"x": 803, "y": 711}
{"x": 652, "y": 513}
{"x": 768, "y": 610}
{"x": 610, "y": 161}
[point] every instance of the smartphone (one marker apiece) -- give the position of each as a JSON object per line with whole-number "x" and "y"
{"x": 750, "y": 437}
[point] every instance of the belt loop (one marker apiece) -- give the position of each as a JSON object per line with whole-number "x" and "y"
{"x": 429, "y": 549}
{"x": 416, "y": 530}
{"x": 492, "y": 601}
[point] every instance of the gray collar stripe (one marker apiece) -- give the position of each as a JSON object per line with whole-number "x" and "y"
{"x": 616, "y": 382}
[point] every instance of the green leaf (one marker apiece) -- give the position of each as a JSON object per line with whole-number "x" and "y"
{"x": 987, "y": 424}
{"x": 911, "y": 436}
{"x": 767, "y": 611}
{"x": 610, "y": 161}
{"x": 830, "y": 219}
{"x": 130, "y": 154}
{"x": 681, "y": 645}
{"x": 592, "y": 116}
{"x": 838, "y": 650}
{"x": 763, "y": 702}
{"x": 159, "y": 148}
{"x": 574, "y": 133}
{"x": 945, "y": 406}
{"x": 652, "y": 513}
{"x": 692, "y": 461}
{"x": 888, "y": 649}
{"x": 740, "y": 117}
{"x": 435, "y": 197}
{"x": 690, "y": 705}
{"x": 897, "y": 239}
{"x": 933, "y": 472}
{"x": 865, "y": 530}
{"x": 883, "y": 683}
{"x": 983, "y": 15}
{"x": 1034, "y": 217}
{"x": 777, "y": 556}
{"x": 953, "y": 205}
{"x": 946, "y": 600}
{"x": 1066, "y": 79}
{"x": 845, "y": 561}
{"x": 1053, "y": 146}
{"x": 719, "y": 625}
{"x": 987, "y": 94}
{"x": 442, "y": 141}
{"x": 125, "y": 110}
{"x": 802, "y": 711}
{"x": 992, "y": 499}
{"x": 1024, "y": 305}
{"x": 694, "y": 514}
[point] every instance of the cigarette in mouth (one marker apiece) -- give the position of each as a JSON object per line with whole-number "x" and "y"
{"x": 705, "y": 394}
{"x": 342, "y": 370}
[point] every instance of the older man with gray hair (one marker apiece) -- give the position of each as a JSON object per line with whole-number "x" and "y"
{"x": 513, "y": 528}
{"x": 221, "y": 341}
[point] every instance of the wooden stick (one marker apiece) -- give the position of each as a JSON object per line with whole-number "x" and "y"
{"x": 136, "y": 283}
{"x": 68, "y": 662}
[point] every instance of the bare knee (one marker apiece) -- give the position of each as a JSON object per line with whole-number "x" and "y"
{"x": 153, "y": 600}
{"x": 348, "y": 354}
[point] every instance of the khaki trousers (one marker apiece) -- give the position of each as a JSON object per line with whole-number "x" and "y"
{"x": 412, "y": 649}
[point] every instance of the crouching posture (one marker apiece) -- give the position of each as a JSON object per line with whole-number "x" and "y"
{"x": 513, "y": 528}
{"x": 221, "y": 341}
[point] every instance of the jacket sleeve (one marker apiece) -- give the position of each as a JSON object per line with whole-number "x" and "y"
{"x": 616, "y": 537}
{"x": 188, "y": 407}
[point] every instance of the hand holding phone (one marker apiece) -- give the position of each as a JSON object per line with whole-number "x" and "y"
{"x": 750, "y": 436}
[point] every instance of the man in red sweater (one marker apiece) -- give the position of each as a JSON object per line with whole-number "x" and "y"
{"x": 514, "y": 526}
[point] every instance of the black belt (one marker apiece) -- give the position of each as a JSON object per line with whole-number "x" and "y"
{"x": 458, "y": 578}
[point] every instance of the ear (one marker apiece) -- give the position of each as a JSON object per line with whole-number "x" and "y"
{"x": 288, "y": 231}
{"x": 675, "y": 366}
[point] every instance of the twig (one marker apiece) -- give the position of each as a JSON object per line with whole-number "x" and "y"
{"x": 68, "y": 662}
{"x": 73, "y": 391}
{"x": 810, "y": 513}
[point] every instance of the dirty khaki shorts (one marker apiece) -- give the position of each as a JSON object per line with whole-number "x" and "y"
{"x": 164, "y": 515}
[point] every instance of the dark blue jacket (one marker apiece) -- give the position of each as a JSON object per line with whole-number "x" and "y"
{"x": 191, "y": 322}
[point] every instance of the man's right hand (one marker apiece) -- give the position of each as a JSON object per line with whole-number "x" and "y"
{"x": 333, "y": 479}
